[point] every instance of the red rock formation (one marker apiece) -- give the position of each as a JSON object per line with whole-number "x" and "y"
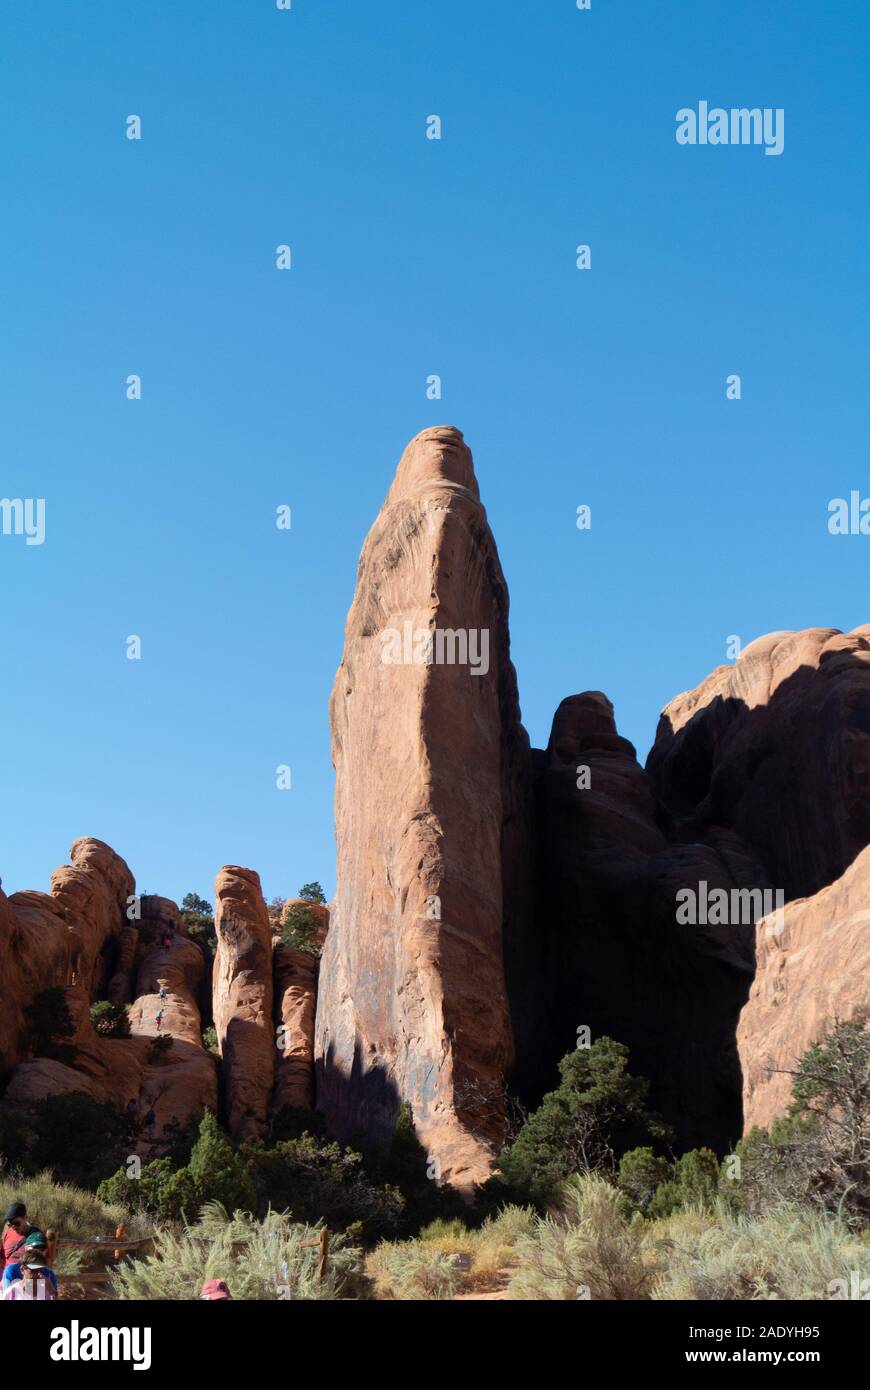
{"x": 57, "y": 938}
{"x": 70, "y": 938}
{"x": 612, "y": 955}
{"x": 429, "y": 761}
{"x": 295, "y": 975}
{"x": 811, "y": 974}
{"x": 776, "y": 746}
{"x": 242, "y": 1000}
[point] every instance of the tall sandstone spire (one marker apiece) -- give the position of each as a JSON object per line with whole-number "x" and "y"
{"x": 431, "y": 823}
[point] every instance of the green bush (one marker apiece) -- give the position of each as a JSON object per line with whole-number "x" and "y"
{"x": 198, "y": 917}
{"x": 319, "y": 1180}
{"x": 49, "y": 1022}
{"x": 110, "y": 1020}
{"x": 641, "y": 1173}
{"x": 817, "y": 1155}
{"x": 598, "y": 1111}
{"x": 215, "y": 1173}
{"x": 299, "y": 930}
{"x": 312, "y": 893}
{"x": 78, "y": 1138}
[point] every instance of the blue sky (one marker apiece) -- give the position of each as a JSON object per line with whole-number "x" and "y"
{"x": 410, "y": 256}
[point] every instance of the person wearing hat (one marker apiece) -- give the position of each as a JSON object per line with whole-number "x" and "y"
{"x": 214, "y": 1289}
{"x": 30, "y": 1277}
{"x": 16, "y": 1227}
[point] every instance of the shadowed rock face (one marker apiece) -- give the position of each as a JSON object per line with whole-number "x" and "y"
{"x": 242, "y": 1000}
{"x": 430, "y": 761}
{"x": 612, "y": 955}
{"x": 777, "y": 747}
{"x": 810, "y": 974}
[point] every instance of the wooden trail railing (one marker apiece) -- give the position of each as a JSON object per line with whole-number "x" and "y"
{"x": 120, "y": 1245}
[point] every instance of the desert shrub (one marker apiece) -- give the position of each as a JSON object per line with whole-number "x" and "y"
{"x": 598, "y": 1111}
{"x": 818, "y": 1154}
{"x": 69, "y": 1211}
{"x": 486, "y": 1250}
{"x": 159, "y": 1049}
{"x": 210, "y": 1040}
{"x": 318, "y": 1180}
{"x": 75, "y": 1136}
{"x": 786, "y": 1254}
{"x": 273, "y": 1259}
{"x": 414, "y": 1270}
{"x": 48, "y": 1023}
{"x": 110, "y": 1020}
{"x": 590, "y": 1247}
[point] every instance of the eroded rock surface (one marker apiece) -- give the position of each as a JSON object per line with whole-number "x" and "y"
{"x": 412, "y": 1002}
{"x": 812, "y": 970}
{"x": 242, "y": 1000}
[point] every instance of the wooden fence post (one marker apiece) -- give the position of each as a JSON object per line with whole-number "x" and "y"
{"x": 51, "y": 1239}
{"x": 120, "y": 1234}
{"x": 324, "y": 1255}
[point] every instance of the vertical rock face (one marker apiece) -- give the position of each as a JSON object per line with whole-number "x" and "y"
{"x": 295, "y": 1000}
{"x": 612, "y": 955}
{"x": 810, "y": 974}
{"x": 430, "y": 762}
{"x": 242, "y": 1000}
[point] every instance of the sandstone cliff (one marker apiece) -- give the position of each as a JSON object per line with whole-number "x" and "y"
{"x": 428, "y": 756}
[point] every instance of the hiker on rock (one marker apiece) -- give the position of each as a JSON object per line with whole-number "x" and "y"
{"x": 158, "y": 1018}
{"x": 162, "y": 994}
{"x": 30, "y": 1277}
